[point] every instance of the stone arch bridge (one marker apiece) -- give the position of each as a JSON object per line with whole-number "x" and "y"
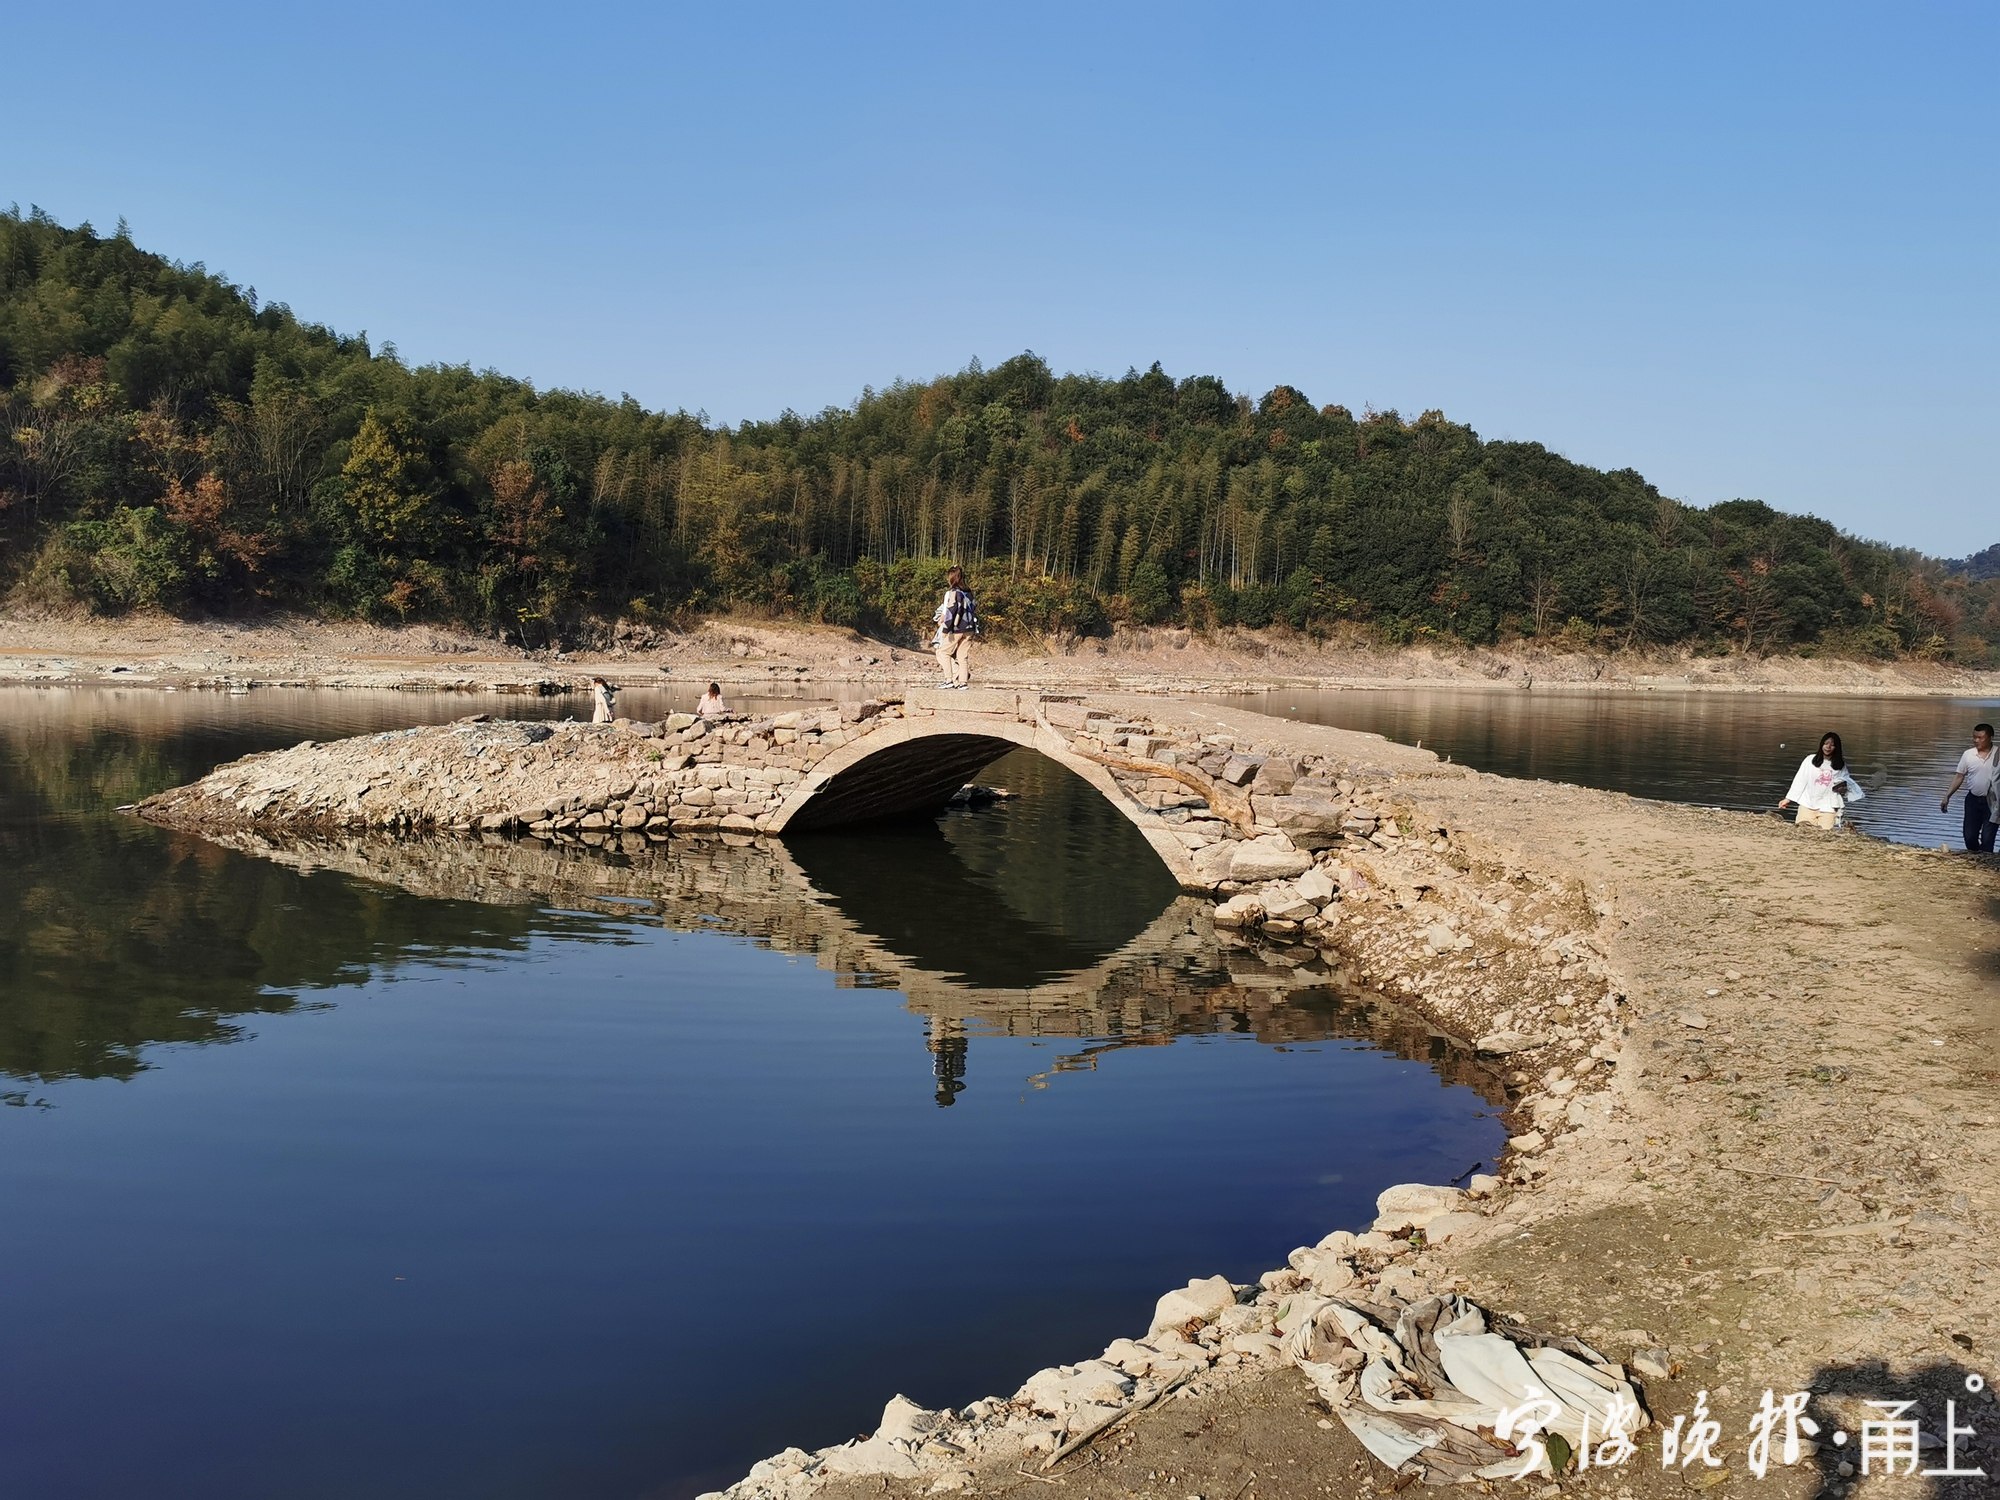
{"x": 1217, "y": 810}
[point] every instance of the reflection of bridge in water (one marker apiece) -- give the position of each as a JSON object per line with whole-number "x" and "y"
{"x": 1169, "y": 979}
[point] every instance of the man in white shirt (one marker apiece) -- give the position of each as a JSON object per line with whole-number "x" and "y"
{"x": 1975, "y": 773}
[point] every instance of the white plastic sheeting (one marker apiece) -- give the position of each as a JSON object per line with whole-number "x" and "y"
{"x": 1443, "y": 1387}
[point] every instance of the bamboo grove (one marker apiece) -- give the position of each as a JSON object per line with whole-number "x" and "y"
{"x": 167, "y": 441}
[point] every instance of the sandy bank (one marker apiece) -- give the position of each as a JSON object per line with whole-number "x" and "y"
{"x": 297, "y": 652}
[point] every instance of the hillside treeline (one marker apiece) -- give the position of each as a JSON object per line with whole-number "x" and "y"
{"x": 167, "y": 440}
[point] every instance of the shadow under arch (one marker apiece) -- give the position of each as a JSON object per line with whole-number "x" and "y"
{"x": 1040, "y": 887}
{"x": 909, "y": 768}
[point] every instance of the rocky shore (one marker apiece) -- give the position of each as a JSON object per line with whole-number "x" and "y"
{"x": 1750, "y": 1072}
{"x": 1779, "y": 1177}
{"x": 1324, "y": 870}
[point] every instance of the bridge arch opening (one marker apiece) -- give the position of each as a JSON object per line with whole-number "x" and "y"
{"x": 910, "y": 779}
{"x": 912, "y": 767}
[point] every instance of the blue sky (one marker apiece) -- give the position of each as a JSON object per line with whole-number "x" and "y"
{"x": 1748, "y": 251}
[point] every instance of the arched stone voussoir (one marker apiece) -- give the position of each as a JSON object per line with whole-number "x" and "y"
{"x": 910, "y": 766}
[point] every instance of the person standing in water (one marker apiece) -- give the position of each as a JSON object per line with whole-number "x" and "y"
{"x": 1823, "y": 786}
{"x": 603, "y": 701}
{"x": 1975, "y": 773}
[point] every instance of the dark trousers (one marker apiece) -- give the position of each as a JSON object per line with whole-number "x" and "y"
{"x": 1978, "y": 831}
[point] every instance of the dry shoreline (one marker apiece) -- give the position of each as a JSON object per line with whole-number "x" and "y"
{"x": 1787, "y": 1181}
{"x": 302, "y": 653}
{"x": 1782, "y": 1171}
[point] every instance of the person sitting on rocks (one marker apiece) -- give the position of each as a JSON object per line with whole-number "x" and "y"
{"x": 711, "y": 705}
{"x": 603, "y": 701}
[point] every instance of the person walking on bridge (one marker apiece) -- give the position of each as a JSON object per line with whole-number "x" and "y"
{"x": 1976, "y": 768}
{"x": 957, "y": 621}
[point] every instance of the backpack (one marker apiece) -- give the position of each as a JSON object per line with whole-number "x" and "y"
{"x": 959, "y": 616}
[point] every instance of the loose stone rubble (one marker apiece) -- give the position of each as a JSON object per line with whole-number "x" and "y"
{"x": 1433, "y": 1385}
{"x": 587, "y": 782}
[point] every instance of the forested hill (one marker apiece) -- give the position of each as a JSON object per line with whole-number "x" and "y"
{"x": 166, "y": 440}
{"x": 1981, "y": 565}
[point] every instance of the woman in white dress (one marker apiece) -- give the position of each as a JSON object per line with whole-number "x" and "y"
{"x": 603, "y": 701}
{"x": 1823, "y": 786}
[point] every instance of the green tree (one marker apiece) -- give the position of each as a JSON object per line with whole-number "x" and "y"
{"x": 391, "y": 487}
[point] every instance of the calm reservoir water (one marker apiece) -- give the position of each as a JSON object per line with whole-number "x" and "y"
{"x": 1735, "y": 750}
{"x": 494, "y": 1176}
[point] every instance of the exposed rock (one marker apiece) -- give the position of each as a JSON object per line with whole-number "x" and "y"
{"x": 1260, "y": 860}
{"x": 1445, "y": 939}
{"x": 905, "y": 1421}
{"x": 1312, "y": 819}
{"x": 1197, "y": 1302}
{"x": 1059, "y": 1391}
{"x": 1316, "y": 885}
{"x": 1238, "y": 770}
{"x": 1286, "y": 905}
{"x": 1213, "y": 862}
{"x": 1652, "y": 1364}
{"x": 1375, "y": 1242}
{"x": 1444, "y": 1226}
{"x": 1412, "y": 1205}
{"x": 1327, "y": 1271}
{"x": 1277, "y": 775}
{"x": 1239, "y": 911}
{"x": 873, "y": 1455}
{"x": 1501, "y": 1043}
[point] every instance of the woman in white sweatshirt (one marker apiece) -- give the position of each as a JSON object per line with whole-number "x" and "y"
{"x": 1823, "y": 786}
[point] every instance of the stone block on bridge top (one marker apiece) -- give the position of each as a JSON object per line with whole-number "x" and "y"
{"x": 971, "y": 700}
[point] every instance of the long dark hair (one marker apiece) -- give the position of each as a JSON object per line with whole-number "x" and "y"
{"x": 1839, "y": 761}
